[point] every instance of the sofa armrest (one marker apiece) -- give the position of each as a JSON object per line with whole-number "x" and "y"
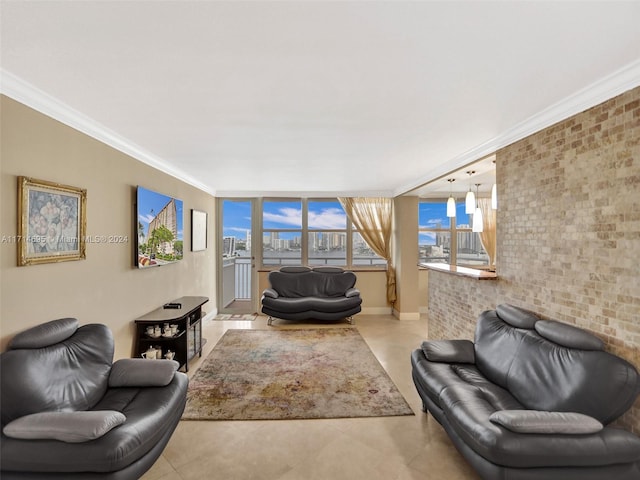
{"x": 449, "y": 351}
{"x": 138, "y": 372}
{"x": 533, "y": 421}
{"x": 270, "y": 292}
{"x": 352, "y": 292}
{"x": 70, "y": 427}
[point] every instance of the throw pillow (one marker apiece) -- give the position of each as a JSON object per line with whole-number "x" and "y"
{"x": 449, "y": 351}
{"x": 138, "y": 372}
{"x": 70, "y": 427}
{"x": 533, "y": 421}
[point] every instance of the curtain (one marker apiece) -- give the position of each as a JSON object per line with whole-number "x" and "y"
{"x": 488, "y": 234}
{"x": 373, "y": 219}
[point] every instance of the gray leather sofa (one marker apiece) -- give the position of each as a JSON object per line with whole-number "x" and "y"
{"x": 68, "y": 412}
{"x": 531, "y": 399}
{"x": 321, "y": 293}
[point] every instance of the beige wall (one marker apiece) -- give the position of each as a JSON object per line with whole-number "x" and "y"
{"x": 568, "y": 234}
{"x": 104, "y": 288}
{"x": 405, "y": 257}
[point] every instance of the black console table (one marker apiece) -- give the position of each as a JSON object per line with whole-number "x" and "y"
{"x": 187, "y": 340}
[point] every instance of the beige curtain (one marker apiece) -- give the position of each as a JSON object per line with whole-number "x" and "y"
{"x": 488, "y": 235}
{"x": 373, "y": 219}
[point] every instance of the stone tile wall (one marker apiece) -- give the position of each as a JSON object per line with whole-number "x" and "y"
{"x": 568, "y": 235}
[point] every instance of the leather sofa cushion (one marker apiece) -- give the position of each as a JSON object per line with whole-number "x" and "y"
{"x": 149, "y": 413}
{"x": 71, "y": 427}
{"x": 451, "y": 351}
{"x": 139, "y": 372}
{"x": 435, "y": 377}
{"x": 568, "y": 335}
{"x": 311, "y": 283}
{"x": 534, "y": 421}
{"x": 303, "y": 304}
{"x": 549, "y": 377}
{"x": 468, "y": 411}
{"x": 543, "y": 375}
{"x": 45, "y": 334}
{"x": 70, "y": 375}
{"x": 496, "y": 345}
{"x": 516, "y": 316}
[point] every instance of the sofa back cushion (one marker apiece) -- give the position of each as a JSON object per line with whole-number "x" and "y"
{"x": 496, "y": 345}
{"x": 561, "y": 370}
{"x": 68, "y": 375}
{"x": 551, "y": 377}
{"x": 312, "y": 283}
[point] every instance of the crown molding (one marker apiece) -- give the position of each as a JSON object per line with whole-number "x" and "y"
{"x": 14, "y": 87}
{"x": 598, "y": 92}
{"x": 303, "y": 194}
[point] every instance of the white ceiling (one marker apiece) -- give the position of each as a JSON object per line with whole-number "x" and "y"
{"x": 336, "y": 98}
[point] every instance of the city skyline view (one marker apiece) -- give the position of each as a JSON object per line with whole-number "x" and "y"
{"x": 325, "y": 216}
{"x": 282, "y": 222}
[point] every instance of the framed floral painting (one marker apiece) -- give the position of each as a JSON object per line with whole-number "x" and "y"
{"x": 51, "y": 222}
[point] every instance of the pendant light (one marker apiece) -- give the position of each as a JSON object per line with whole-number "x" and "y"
{"x": 451, "y": 202}
{"x": 478, "y": 221}
{"x": 470, "y": 199}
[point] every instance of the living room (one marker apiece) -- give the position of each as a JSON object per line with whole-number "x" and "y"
{"x": 567, "y": 239}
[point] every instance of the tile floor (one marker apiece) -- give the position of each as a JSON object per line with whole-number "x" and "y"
{"x": 388, "y": 448}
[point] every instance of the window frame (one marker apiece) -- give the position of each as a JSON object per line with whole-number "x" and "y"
{"x": 305, "y": 231}
{"x": 453, "y": 230}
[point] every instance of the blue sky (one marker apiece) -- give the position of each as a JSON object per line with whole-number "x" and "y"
{"x": 322, "y": 215}
{"x": 149, "y": 200}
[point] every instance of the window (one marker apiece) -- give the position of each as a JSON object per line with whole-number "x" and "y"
{"x": 312, "y": 232}
{"x": 448, "y": 240}
{"x": 327, "y": 233}
{"x": 281, "y": 232}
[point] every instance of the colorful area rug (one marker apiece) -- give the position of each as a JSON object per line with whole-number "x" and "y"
{"x": 235, "y": 316}
{"x": 287, "y": 374}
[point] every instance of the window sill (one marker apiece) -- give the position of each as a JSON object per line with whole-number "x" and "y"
{"x": 460, "y": 271}
{"x": 352, "y": 269}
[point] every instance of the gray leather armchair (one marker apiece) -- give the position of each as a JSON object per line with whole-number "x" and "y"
{"x": 531, "y": 399}
{"x": 68, "y": 412}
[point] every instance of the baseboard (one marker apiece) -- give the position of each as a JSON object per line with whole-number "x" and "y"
{"x": 210, "y": 315}
{"x": 406, "y": 315}
{"x": 376, "y": 311}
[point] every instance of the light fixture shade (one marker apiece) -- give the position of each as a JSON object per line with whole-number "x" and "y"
{"x": 470, "y": 203}
{"x": 494, "y": 197}
{"x": 451, "y": 207}
{"x": 477, "y": 221}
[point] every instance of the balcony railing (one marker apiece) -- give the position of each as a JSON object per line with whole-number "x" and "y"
{"x": 236, "y": 279}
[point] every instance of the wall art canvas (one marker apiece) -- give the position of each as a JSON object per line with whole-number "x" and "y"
{"x": 159, "y": 229}
{"x": 51, "y": 222}
{"x": 198, "y": 230}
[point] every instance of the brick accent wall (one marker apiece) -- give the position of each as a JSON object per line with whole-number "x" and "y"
{"x": 568, "y": 234}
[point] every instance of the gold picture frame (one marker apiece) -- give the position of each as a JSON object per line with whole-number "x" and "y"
{"x": 52, "y": 222}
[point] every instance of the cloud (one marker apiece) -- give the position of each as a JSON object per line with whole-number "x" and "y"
{"x": 427, "y": 236}
{"x": 329, "y": 219}
{"x": 146, "y": 219}
{"x": 285, "y": 216}
{"x": 432, "y": 222}
{"x": 325, "y": 219}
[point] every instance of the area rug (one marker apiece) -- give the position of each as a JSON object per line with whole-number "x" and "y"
{"x": 235, "y": 316}
{"x": 287, "y": 374}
